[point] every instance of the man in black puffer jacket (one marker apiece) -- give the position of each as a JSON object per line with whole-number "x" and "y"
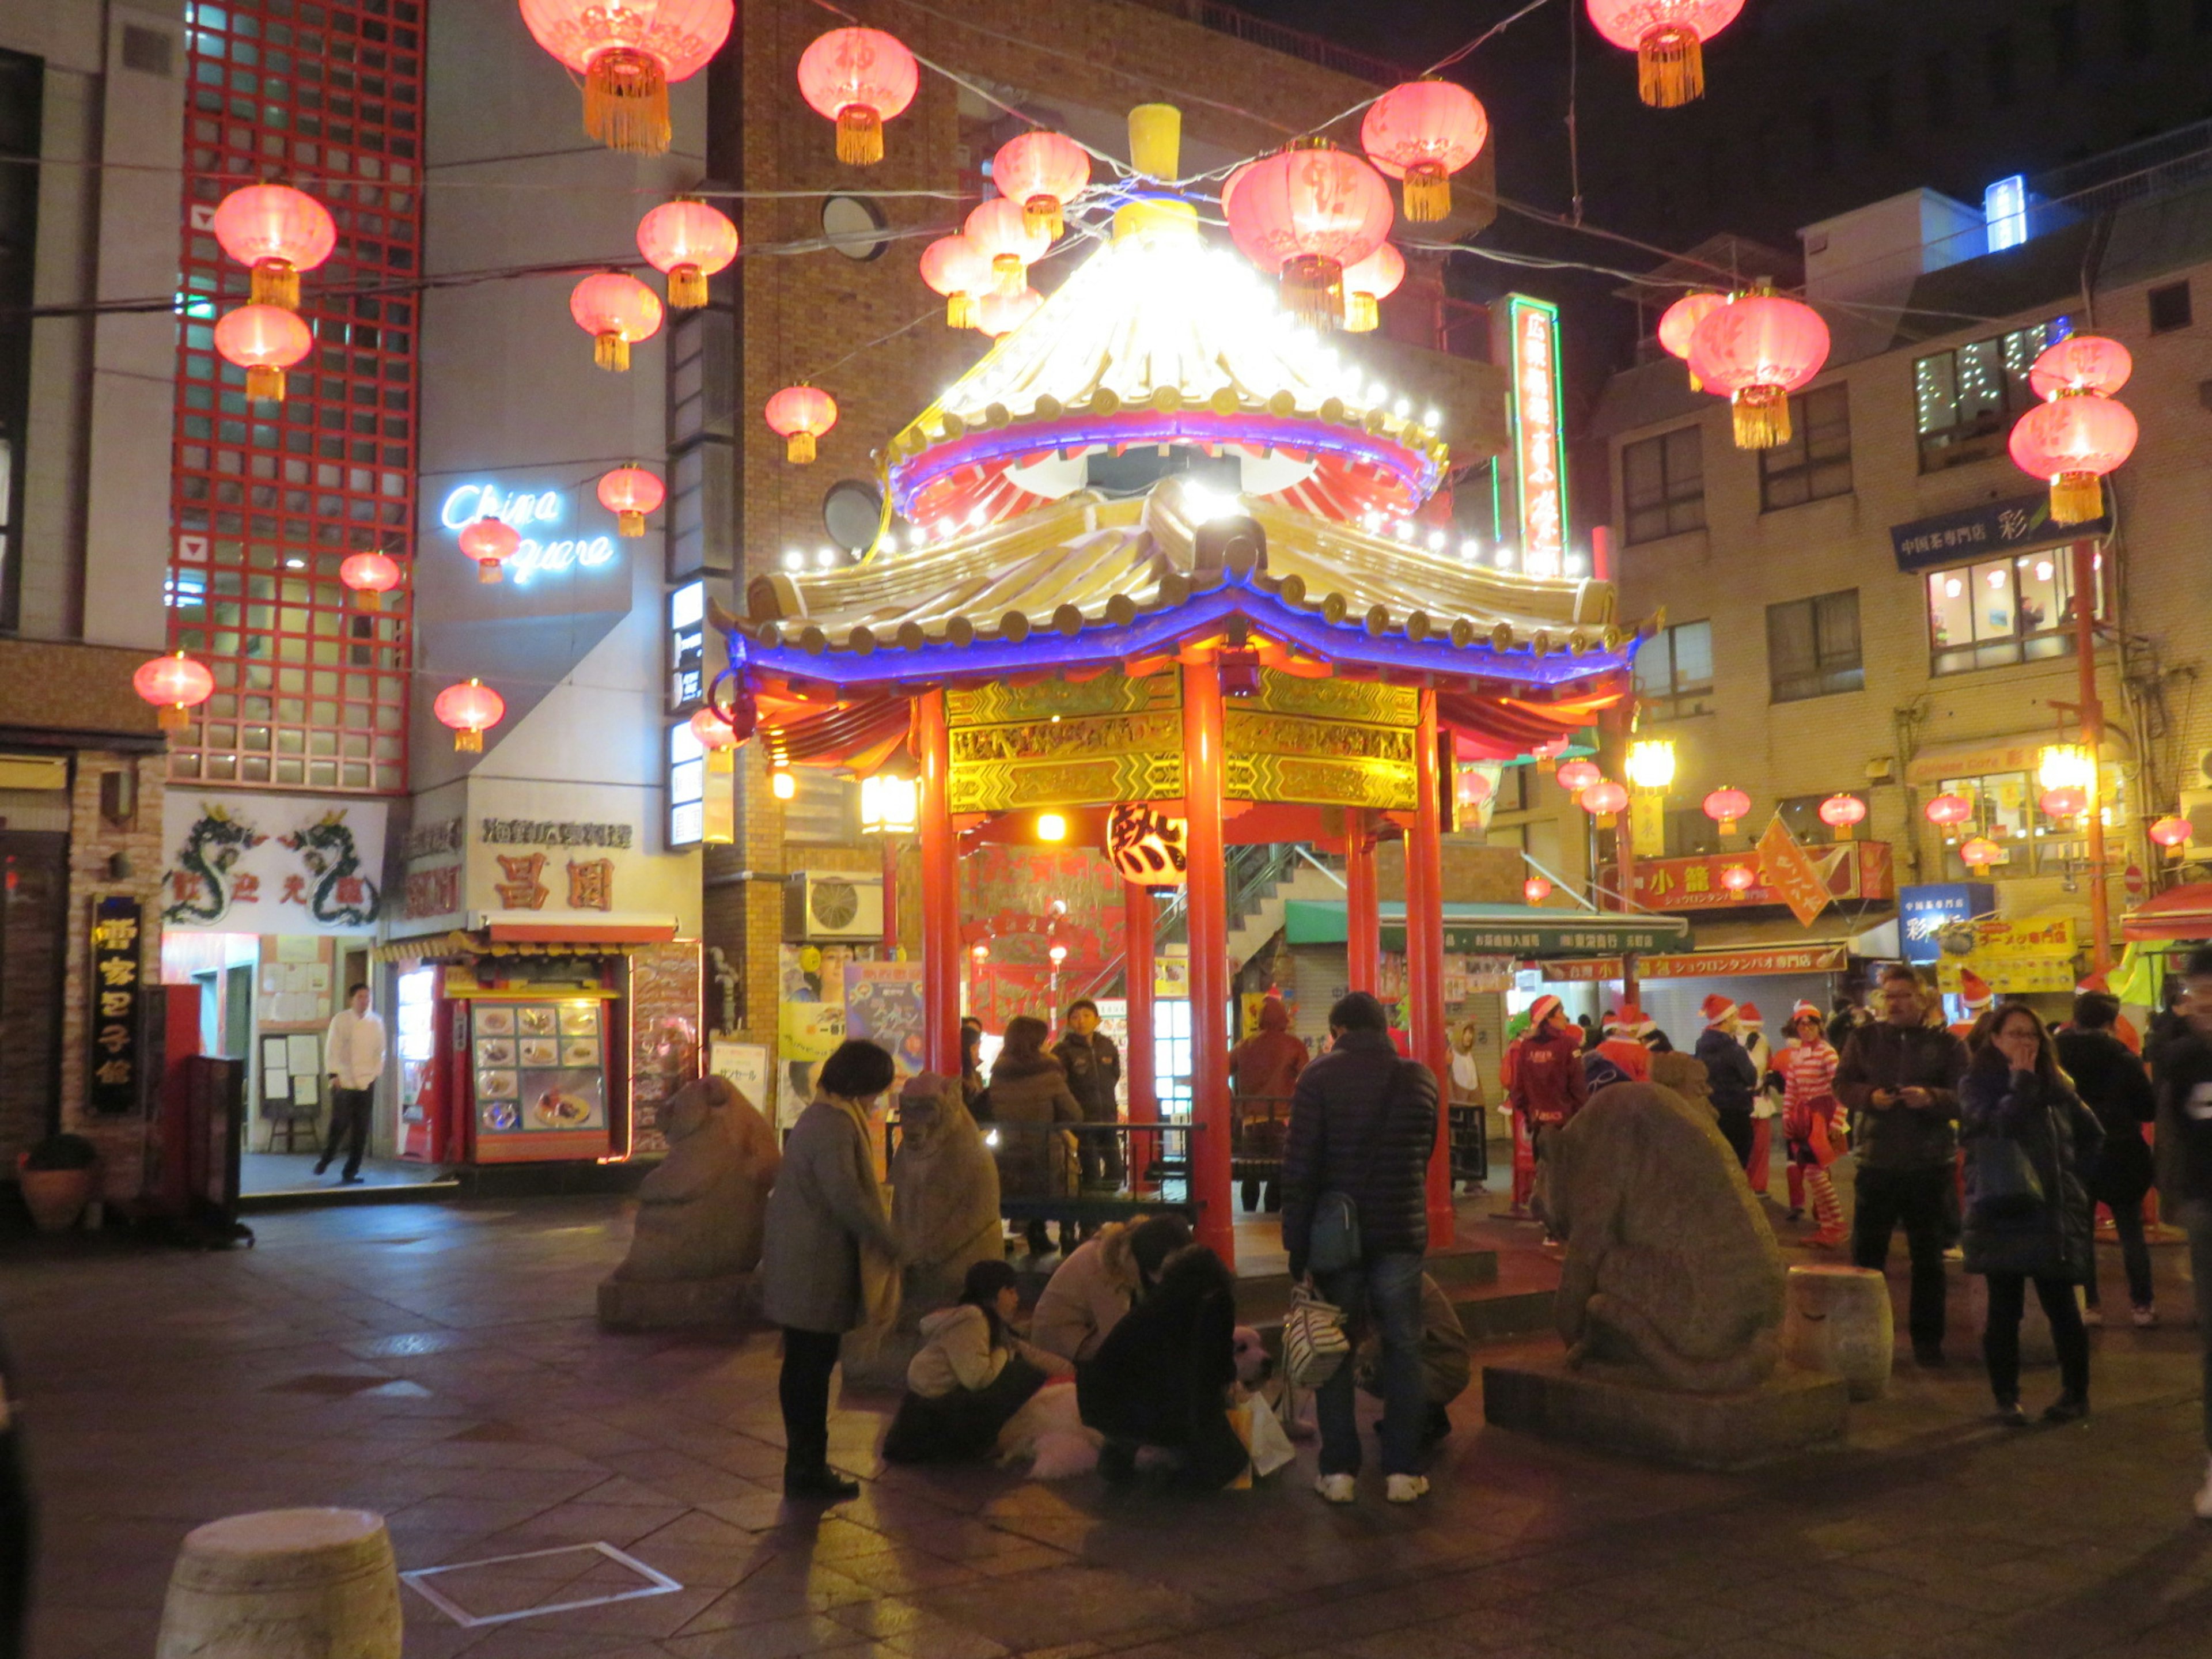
{"x": 1363, "y": 1123}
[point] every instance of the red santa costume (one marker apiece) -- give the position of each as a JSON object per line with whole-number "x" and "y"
{"x": 1811, "y": 1121}
{"x": 1752, "y": 1033}
{"x": 1544, "y": 1088}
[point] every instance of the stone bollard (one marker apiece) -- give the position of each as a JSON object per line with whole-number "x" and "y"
{"x": 1837, "y": 1321}
{"x": 284, "y": 1584}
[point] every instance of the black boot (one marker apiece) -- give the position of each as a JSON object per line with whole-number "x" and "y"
{"x": 822, "y": 1485}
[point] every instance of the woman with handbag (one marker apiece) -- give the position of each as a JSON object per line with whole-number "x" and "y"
{"x": 2027, "y": 1136}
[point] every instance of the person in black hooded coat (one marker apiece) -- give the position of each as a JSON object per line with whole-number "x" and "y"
{"x": 1161, "y": 1376}
{"x": 2114, "y": 1085}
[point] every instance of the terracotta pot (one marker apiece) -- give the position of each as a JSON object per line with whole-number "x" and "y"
{"x": 55, "y": 1198}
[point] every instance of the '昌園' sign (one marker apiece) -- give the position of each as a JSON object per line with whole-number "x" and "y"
{"x": 537, "y": 517}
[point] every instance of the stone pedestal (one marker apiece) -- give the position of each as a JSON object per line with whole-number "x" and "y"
{"x": 627, "y": 1304}
{"x": 1792, "y": 1412}
{"x": 1837, "y": 1321}
{"x": 284, "y": 1584}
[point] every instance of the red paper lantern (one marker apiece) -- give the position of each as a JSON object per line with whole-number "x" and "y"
{"x": 1843, "y": 814}
{"x": 1678, "y": 327}
{"x": 801, "y": 414}
{"x": 2170, "y": 833}
{"x": 1668, "y": 36}
{"x": 616, "y": 311}
{"x": 1304, "y": 214}
{"x": 264, "y": 341}
{"x": 859, "y": 78}
{"x": 1737, "y": 878}
{"x": 2072, "y": 442}
{"x": 1755, "y": 351}
{"x": 1725, "y": 806}
{"x": 1603, "y": 799}
{"x": 372, "y": 575}
{"x": 2081, "y": 363}
{"x": 1474, "y": 788}
{"x": 1536, "y": 889}
{"x": 472, "y": 709}
{"x": 2063, "y": 802}
{"x": 1980, "y": 851}
{"x": 1948, "y": 810}
{"x": 629, "y": 493}
{"x": 1002, "y": 314}
{"x": 1575, "y": 775}
{"x": 489, "y": 542}
{"x": 1367, "y": 284}
{"x": 980, "y": 952}
{"x": 713, "y": 731}
{"x": 175, "y": 686}
{"x": 1042, "y": 171}
{"x": 687, "y": 242}
{"x": 958, "y": 269}
{"x": 1000, "y": 229}
{"x": 279, "y": 232}
{"x": 628, "y": 56}
{"x": 1420, "y": 133}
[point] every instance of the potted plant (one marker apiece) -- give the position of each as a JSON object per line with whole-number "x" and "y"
{"x": 57, "y": 1176}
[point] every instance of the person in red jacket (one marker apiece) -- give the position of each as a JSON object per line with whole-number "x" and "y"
{"x": 1547, "y": 1086}
{"x": 1622, "y": 1057}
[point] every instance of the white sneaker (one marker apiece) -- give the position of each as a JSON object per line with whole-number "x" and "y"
{"x": 1339, "y": 1488}
{"x": 1405, "y": 1488}
{"x": 2146, "y": 1317}
{"x": 2203, "y": 1505}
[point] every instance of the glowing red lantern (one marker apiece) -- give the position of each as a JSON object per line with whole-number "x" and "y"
{"x": 1474, "y": 788}
{"x": 489, "y": 542}
{"x": 859, "y": 78}
{"x": 999, "y": 229}
{"x": 1002, "y": 314}
{"x": 2063, "y": 802}
{"x": 1367, "y": 284}
{"x": 1948, "y": 810}
{"x": 801, "y": 414}
{"x": 175, "y": 686}
{"x": 718, "y": 738}
{"x": 1725, "y": 806}
{"x": 1737, "y": 878}
{"x": 1755, "y": 351}
{"x": 1668, "y": 36}
{"x": 264, "y": 341}
{"x": 279, "y": 232}
{"x": 629, "y": 493}
{"x": 616, "y": 311}
{"x": 1575, "y": 775}
{"x": 628, "y": 56}
{"x": 1042, "y": 171}
{"x": 1536, "y": 889}
{"x": 1980, "y": 851}
{"x": 980, "y": 952}
{"x": 1603, "y": 799}
{"x": 1304, "y": 214}
{"x": 372, "y": 575}
{"x": 958, "y": 269}
{"x": 1678, "y": 327}
{"x": 687, "y": 242}
{"x": 2079, "y": 364}
{"x": 2170, "y": 833}
{"x": 1420, "y": 133}
{"x": 2072, "y": 442}
{"x": 472, "y": 709}
{"x": 1843, "y": 814}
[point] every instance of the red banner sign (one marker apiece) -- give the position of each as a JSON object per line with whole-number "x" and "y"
{"x": 1708, "y": 964}
{"x": 1847, "y": 870}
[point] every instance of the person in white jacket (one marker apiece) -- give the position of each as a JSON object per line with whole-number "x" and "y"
{"x": 353, "y": 1054}
{"x": 971, "y": 1374}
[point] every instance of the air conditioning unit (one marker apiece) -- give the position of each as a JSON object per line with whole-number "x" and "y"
{"x": 2197, "y": 807}
{"x": 833, "y": 904}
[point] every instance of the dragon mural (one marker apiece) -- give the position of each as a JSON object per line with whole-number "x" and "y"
{"x": 343, "y": 896}
{"x": 201, "y": 888}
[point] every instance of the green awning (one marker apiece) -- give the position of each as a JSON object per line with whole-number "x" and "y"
{"x": 1530, "y": 932}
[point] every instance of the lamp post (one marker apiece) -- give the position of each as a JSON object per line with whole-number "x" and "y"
{"x": 2076, "y": 767}
{"x": 1648, "y": 767}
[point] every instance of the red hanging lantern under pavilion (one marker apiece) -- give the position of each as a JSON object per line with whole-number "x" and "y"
{"x": 958, "y": 269}
{"x": 799, "y": 415}
{"x": 1755, "y": 351}
{"x": 1473, "y": 788}
{"x": 175, "y": 686}
{"x": 491, "y": 543}
{"x": 2172, "y": 834}
{"x": 616, "y": 311}
{"x": 1042, "y": 171}
{"x": 1980, "y": 852}
{"x": 1726, "y": 806}
{"x": 999, "y": 229}
{"x": 1668, "y": 36}
{"x": 1603, "y": 799}
{"x": 628, "y": 56}
{"x": 1536, "y": 889}
{"x": 1843, "y": 814}
{"x": 1678, "y": 327}
{"x": 859, "y": 78}
{"x": 372, "y": 575}
{"x": 472, "y": 709}
{"x": 2082, "y": 432}
{"x": 1305, "y": 213}
{"x": 629, "y": 493}
{"x": 1367, "y": 284}
{"x": 1002, "y": 314}
{"x": 1737, "y": 878}
{"x": 687, "y": 242}
{"x": 1575, "y": 775}
{"x": 2081, "y": 363}
{"x": 278, "y": 232}
{"x": 264, "y": 341}
{"x": 1420, "y": 133}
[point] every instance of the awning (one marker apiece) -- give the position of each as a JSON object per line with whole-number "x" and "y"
{"x": 553, "y": 939}
{"x": 1526, "y": 933}
{"x": 2179, "y": 912}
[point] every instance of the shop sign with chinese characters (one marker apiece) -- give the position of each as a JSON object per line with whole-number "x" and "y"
{"x": 242, "y": 863}
{"x": 113, "y": 1076}
{"x": 1708, "y": 964}
{"x": 1847, "y": 870}
{"x": 1539, "y": 443}
{"x": 2017, "y": 958}
{"x": 543, "y": 854}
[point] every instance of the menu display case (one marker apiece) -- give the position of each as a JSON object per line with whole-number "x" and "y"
{"x": 537, "y": 1077}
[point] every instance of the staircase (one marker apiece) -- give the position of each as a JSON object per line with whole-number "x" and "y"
{"x": 1262, "y": 881}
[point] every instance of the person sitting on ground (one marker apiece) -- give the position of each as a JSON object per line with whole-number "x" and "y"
{"x": 1090, "y": 1292}
{"x": 1029, "y": 1097}
{"x": 1161, "y": 1377}
{"x": 1447, "y": 1360}
{"x": 2113, "y": 1084}
{"x": 971, "y": 1374}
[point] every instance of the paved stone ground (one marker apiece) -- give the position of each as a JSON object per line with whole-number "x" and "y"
{"x": 438, "y": 1363}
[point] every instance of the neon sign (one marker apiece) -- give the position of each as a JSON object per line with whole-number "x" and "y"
{"x": 465, "y": 503}
{"x": 1539, "y": 452}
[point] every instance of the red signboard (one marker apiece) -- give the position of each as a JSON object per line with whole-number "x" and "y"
{"x": 1708, "y": 964}
{"x": 1847, "y": 870}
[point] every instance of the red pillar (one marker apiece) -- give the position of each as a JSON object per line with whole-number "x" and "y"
{"x": 1363, "y": 932}
{"x": 1425, "y": 957}
{"x": 2092, "y": 739}
{"x": 1137, "y": 1064}
{"x": 1209, "y": 957}
{"x": 941, "y": 890}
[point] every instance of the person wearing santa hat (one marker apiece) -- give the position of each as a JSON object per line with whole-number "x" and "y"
{"x": 1812, "y": 1123}
{"x": 1622, "y": 1057}
{"x": 1729, "y": 1069}
{"x": 1752, "y": 1032}
{"x": 1546, "y": 1087}
{"x": 1973, "y": 991}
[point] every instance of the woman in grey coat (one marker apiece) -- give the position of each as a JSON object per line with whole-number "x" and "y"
{"x": 825, "y": 1216}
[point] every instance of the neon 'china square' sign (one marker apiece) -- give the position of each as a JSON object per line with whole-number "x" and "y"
{"x": 535, "y": 516}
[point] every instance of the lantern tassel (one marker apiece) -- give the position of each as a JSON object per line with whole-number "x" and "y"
{"x": 628, "y": 522}
{"x": 1762, "y": 417}
{"x": 468, "y": 743}
{"x": 626, "y": 102}
{"x": 960, "y": 311}
{"x": 1012, "y": 278}
{"x": 1041, "y": 213}
{"x": 1362, "y": 315}
{"x": 276, "y": 282}
{"x": 371, "y": 600}
{"x": 1313, "y": 288}
{"x": 1427, "y": 189}
{"x": 859, "y": 135}
{"x": 799, "y": 447}
{"x": 611, "y": 351}
{"x": 1670, "y": 67}
{"x": 687, "y": 288}
{"x": 174, "y": 717}
{"x": 487, "y": 570}
{"x": 2076, "y": 498}
{"x": 264, "y": 383}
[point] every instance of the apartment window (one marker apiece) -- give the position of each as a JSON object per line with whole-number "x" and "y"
{"x": 1674, "y": 671}
{"x": 2004, "y": 82}
{"x": 2003, "y": 611}
{"x": 2005, "y": 812}
{"x": 1813, "y": 647}
{"x": 1936, "y": 73}
{"x": 1816, "y": 462}
{"x": 1662, "y": 482}
{"x": 1801, "y": 815}
{"x": 2169, "y": 305}
{"x": 1965, "y": 399}
{"x": 1691, "y": 834}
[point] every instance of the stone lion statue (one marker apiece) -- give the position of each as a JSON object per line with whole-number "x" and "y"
{"x": 700, "y": 1214}
{"x": 1670, "y": 1270}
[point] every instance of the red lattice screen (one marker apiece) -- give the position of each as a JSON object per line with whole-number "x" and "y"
{"x": 311, "y": 691}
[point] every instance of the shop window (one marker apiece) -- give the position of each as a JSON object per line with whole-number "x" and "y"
{"x": 1691, "y": 834}
{"x": 1965, "y": 398}
{"x": 1674, "y": 671}
{"x": 1813, "y": 647}
{"x": 1172, "y": 1057}
{"x": 1662, "y": 485}
{"x": 2005, "y": 812}
{"x": 2003, "y": 611}
{"x": 2170, "y": 308}
{"x": 1816, "y": 462}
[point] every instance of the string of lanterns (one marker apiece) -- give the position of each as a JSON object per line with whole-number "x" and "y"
{"x": 2080, "y": 432}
